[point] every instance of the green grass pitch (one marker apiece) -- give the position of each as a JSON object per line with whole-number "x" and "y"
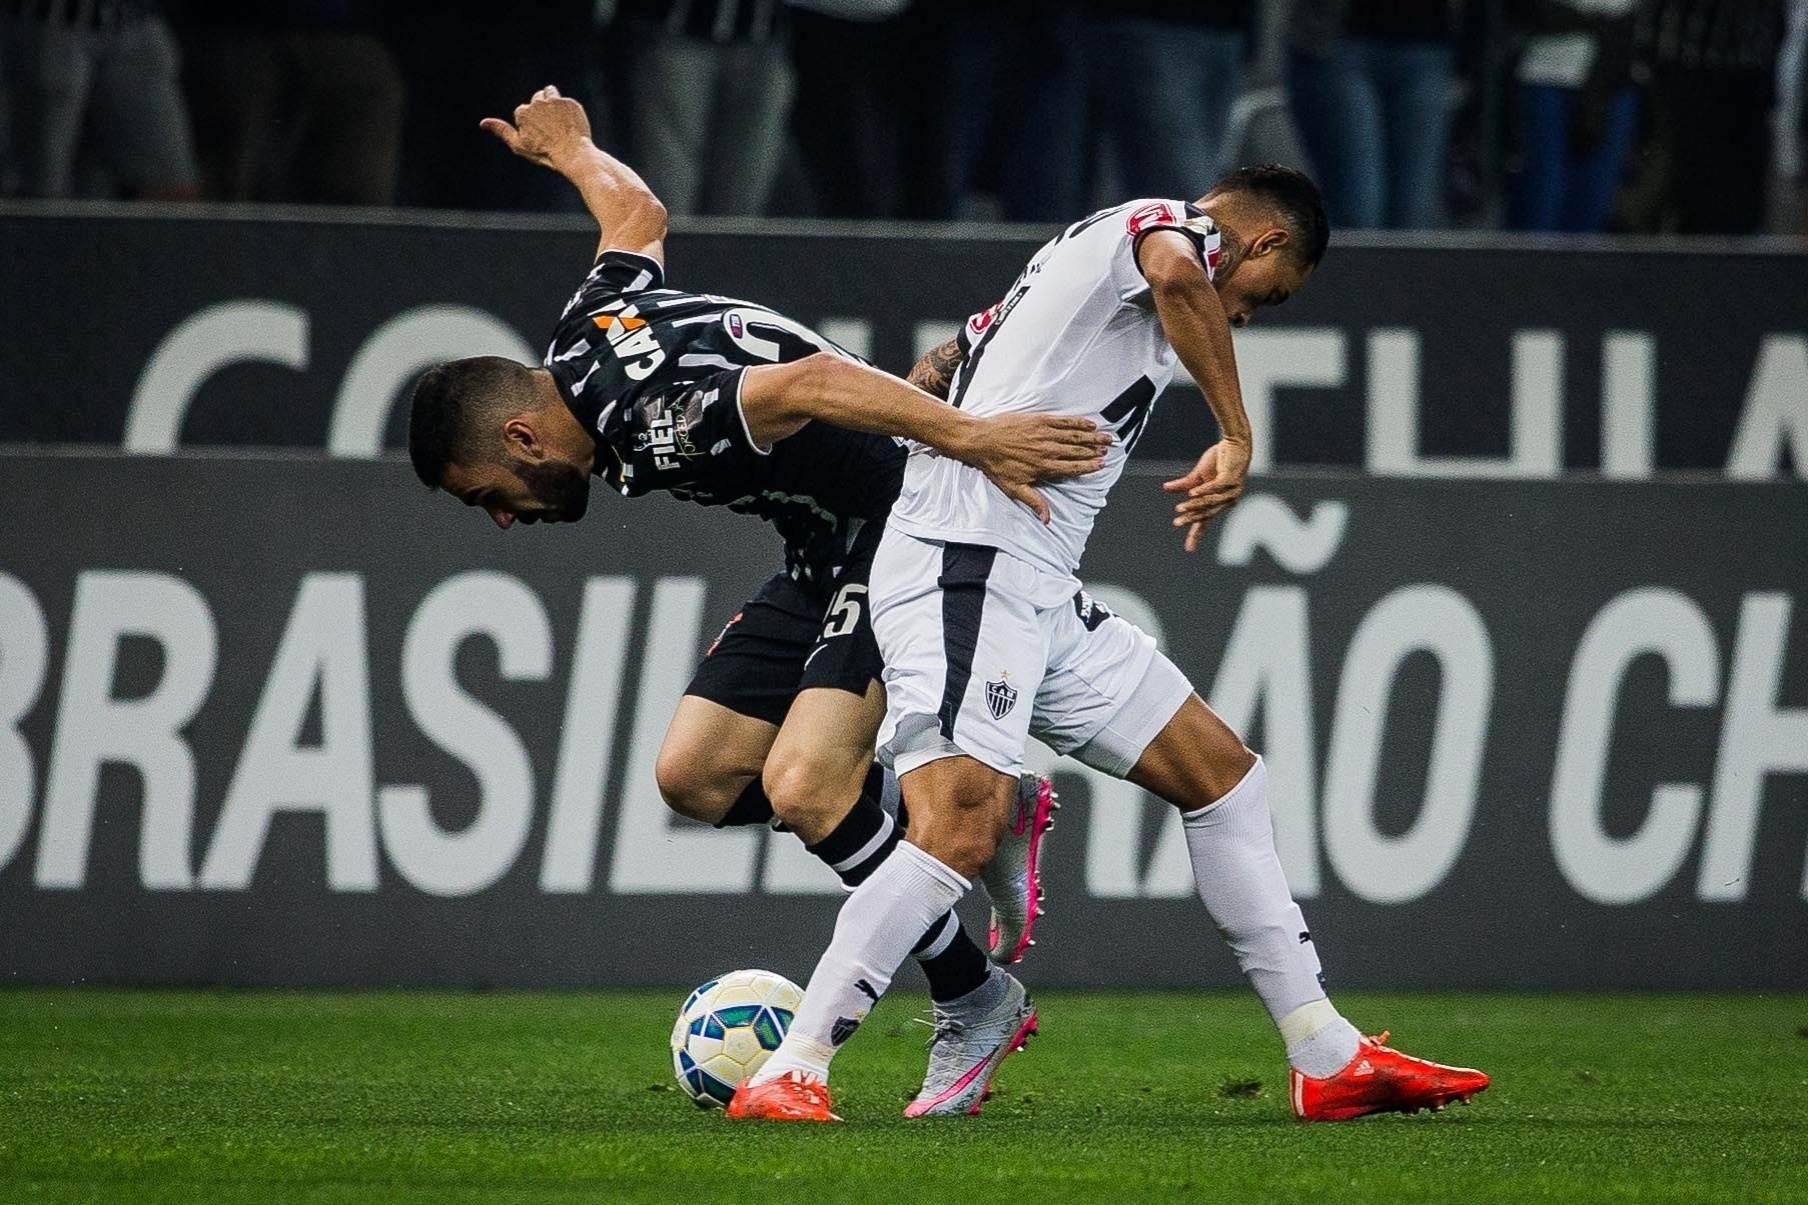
{"x": 183, "y": 1096}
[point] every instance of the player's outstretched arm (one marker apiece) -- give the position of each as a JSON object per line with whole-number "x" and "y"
{"x": 1015, "y": 450}
{"x": 554, "y": 132}
{"x": 934, "y": 373}
{"x": 1194, "y": 321}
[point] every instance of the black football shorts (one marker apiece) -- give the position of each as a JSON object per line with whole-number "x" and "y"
{"x": 792, "y": 636}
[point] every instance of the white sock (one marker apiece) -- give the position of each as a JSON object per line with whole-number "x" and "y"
{"x": 1239, "y": 876}
{"x": 878, "y": 924}
{"x": 1320, "y": 1043}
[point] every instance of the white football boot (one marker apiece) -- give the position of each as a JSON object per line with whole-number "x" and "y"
{"x": 1013, "y": 877}
{"x": 964, "y": 1054}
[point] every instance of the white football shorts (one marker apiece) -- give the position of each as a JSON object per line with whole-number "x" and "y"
{"x": 983, "y": 650}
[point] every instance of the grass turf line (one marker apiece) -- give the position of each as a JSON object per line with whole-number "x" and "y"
{"x": 180, "y": 1096}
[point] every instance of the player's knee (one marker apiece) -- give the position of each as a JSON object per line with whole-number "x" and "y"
{"x": 689, "y": 786}
{"x": 1194, "y": 761}
{"x": 806, "y": 793}
{"x": 970, "y": 852}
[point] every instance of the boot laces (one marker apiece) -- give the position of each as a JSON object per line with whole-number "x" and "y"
{"x": 945, "y": 1039}
{"x": 811, "y": 1089}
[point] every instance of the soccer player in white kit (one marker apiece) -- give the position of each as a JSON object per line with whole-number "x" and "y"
{"x": 988, "y": 638}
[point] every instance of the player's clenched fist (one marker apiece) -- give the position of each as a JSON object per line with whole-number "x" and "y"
{"x": 547, "y": 127}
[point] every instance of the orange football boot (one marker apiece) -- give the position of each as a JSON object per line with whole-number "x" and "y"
{"x": 793, "y": 1096}
{"x": 1382, "y": 1080}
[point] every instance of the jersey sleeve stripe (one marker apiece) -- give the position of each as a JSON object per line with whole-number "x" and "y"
{"x": 740, "y": 410}
{"x": 654, "y": 273}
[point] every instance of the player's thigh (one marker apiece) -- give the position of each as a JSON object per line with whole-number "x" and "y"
{"x": 1116, "y": 703}
{"x": 818, "y": 764}
{"x": 1108, "y": 691}
{"x": 708, "y": 757}
{"x": 1194, "y": 760}
{"x": 963, "y": 649}
{"x": 755, "y": 663}
{"x": 739, "y": 696}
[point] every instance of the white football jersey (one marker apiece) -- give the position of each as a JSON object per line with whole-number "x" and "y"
{"x": 1077, "y": 334}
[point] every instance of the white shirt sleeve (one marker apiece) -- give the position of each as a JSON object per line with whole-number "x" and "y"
{"x": 1145, "y": 219}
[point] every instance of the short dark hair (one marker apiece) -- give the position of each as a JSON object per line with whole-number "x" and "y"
{"x": 1294, "y": 197}
{"x": 458, "y": 408}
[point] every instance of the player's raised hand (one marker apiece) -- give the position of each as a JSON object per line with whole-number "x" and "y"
{"x": 1213, "y": 487}
{"x": 1018, "y": 450}
{"x": 547, "y": 128}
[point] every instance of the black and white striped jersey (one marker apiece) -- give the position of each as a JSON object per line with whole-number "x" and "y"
{"x": 654, "y": 374}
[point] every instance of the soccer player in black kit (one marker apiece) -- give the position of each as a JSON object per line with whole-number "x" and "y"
{"x": 724, "y": 402}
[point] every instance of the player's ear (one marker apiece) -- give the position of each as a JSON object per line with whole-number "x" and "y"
{"x": 1270, "y": 240}
{"x": 519, "y": 436}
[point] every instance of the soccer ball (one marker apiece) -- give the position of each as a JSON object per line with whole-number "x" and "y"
{"x": 727, "y": 1029}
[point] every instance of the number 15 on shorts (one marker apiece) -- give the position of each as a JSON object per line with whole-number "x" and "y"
{"x": 843, "y": 615}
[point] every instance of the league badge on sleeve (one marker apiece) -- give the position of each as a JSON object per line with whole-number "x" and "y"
{"x": 1151, "y": 217}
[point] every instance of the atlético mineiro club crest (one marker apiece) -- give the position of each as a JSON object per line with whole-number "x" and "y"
{"x": 1001, "y": 696}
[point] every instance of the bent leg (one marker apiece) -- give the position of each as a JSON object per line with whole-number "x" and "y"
{"x": 823, "y": 784}
{"x": 1148, "y": 726}
{"x": 818, "y": 763}
{"x": 724, "y": 728}
{"x": 709, "y": 758}
{"x": 936, "y": 617}
{"x": 1203, "y": 768}
{"x": 886, "y": 914}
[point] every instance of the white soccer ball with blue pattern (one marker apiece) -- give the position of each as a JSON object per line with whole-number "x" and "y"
{"x": 727, "y": 1029}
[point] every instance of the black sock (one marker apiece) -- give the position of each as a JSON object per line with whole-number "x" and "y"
{"x": 751, "y": 808}
{"x": 854, "y": 850}
{"x": 856, "y": 846}
{"x": 960, "y": 967}
{"x": 875, "y": 783}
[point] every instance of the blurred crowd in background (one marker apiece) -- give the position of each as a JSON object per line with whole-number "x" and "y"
{"x": 1550, "y": 115}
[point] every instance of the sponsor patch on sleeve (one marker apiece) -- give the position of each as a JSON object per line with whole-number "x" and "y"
{"x": 1151, "y": 217}
{"x": 976, "y": 325}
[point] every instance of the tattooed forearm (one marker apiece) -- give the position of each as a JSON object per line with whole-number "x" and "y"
{"x": 934, "y": 373}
